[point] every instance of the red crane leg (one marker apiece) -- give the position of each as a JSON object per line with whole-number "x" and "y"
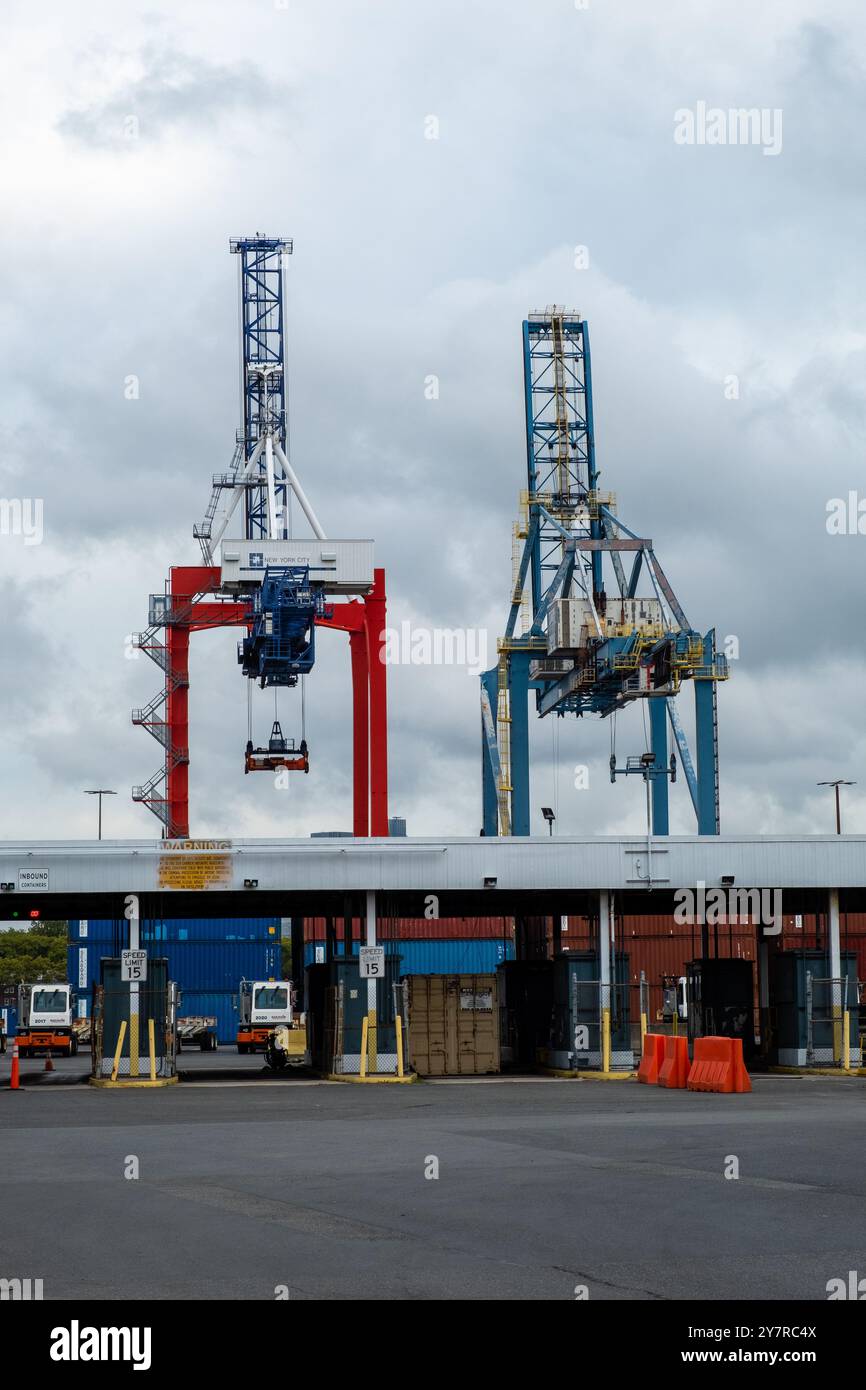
{"x": 374, "y": 623}
{"x": 177, "y": 720}
{"x": 360, "y": 734}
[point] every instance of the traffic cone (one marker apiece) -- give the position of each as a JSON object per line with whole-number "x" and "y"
{"x": 49, "y": 1065}
{"x": 14, "y": 1083}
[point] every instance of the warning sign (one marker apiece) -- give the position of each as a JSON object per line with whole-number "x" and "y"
{"x": 195, "y": 865}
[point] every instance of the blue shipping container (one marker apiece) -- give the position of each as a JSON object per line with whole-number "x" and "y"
{"x": 178, "y": 929}
{"x": 193, "y": 965}
{"x": 220, "y": 1004}
{"x": 455, "y": 956}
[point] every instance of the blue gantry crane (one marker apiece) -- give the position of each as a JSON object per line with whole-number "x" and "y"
{"x": 581, "y": 646}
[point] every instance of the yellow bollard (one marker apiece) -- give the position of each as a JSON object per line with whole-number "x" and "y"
{"x": 837, "y": 1034}
{"x": 643, "y": 1030}
{"x": 151, "y": 1042}
{"x": 133, "y": 1040}
{"x": 372, "y": 1042}
{"x": 121, "y": 1035}
{"x": 399, "y": 1046}
{"x": 846, "y": 1042}
{"x": 605, "y": 1040}
{"x": 364, "y": 1029}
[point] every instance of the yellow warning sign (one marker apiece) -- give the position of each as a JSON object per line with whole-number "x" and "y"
{"x": 194, "y": 865}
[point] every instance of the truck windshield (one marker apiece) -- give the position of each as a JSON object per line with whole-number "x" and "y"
{"x": 272, "y": 997}
{"x": 49, "y": 1001}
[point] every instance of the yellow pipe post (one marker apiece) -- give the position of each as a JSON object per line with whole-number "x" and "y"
{"x": 846, "y": 1042}
{"x": 372, "y": 1043}
{"x": 151, "y": 1042}
{"x": 399, "y": 1046}
{"x": 133, "y": 1032}
{"x": 643, "y": 1030}
{"x": 364, "y": 1030}
{"x": 121, "y": 1035}
{"x": 605, "y": 1040}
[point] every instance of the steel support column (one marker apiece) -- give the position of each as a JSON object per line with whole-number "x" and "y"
{"x": 177, "y": 728}
{"x": 706, "y": 740}
{"x": 659, "y": 784}
{"x": 374, "y": 621}
{"x": 489, "y": 790}
{"x": 518, "y": 694}
{"x": 360, "y": 733}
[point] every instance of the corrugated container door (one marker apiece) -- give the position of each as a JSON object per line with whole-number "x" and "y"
{"x": 477, "y": 1024}
{"x": 427, "y": 1030}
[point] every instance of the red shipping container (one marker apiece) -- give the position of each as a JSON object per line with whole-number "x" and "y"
{"x": 419, "y": 928}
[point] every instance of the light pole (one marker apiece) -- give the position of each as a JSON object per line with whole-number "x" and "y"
{"x": 547, "y": 812}
{"x": 100, "y": 792}
{"x": 839, "y": 782}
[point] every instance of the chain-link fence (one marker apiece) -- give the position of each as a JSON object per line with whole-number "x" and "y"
{"x": 591, "y": 1028}
{"x": 133, "y": 1033}
{"x": 832, "y": 1022}
{"x": 364, "y": 1028}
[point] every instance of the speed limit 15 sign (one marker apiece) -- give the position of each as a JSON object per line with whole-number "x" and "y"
{"x": 133, "y": 966}
{"x": 371, "y": 960}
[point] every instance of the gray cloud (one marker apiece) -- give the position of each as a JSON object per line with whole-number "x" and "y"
{"x": 176, "y": 91}
{"x": 416, "y": 257}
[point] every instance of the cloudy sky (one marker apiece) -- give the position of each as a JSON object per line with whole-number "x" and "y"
{"x": 137, "y": 139}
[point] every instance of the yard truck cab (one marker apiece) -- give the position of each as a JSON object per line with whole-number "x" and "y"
{"x": 45, "y": 1020}
{"x": 263, "y": 1006}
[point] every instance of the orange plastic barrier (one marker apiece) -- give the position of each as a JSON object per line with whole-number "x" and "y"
{"x": 718, "y": 1066}
{"x": 674, "y": 1070}
{"x": 653, "y": 1056}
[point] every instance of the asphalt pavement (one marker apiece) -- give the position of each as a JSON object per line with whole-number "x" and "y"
{"x": 477, "y": 1188}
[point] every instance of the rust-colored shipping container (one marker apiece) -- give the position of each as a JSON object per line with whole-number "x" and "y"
{"x": 453, "y": 1024}
{"x": 418, "y": 928}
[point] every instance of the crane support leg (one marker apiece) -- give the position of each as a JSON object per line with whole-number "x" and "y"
{"x": 707, "y": 739}
{"x": 360, "y": 734}
{"x": 518, "y": 687}
{"x": 659, "y": 745}
{"x": 489, "y": 773}
{"x": 374, "y": 623}
{"x": 177, "y": 720}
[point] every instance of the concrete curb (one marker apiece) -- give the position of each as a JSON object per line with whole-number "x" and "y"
{"x": 587, "y": 1075}
{"x": 106, "y": 1084}
{"x": 374, "y": 1080}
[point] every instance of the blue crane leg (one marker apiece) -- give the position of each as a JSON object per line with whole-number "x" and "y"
{"x": 518, "y": 685}
{"x": 659, "y": 738}
{"x": 707, "y": 747}
{"x": 489, "y": 803}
